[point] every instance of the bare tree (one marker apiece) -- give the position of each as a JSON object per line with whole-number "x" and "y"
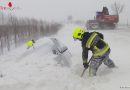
{"x": 1, "y": 45}
{"x": 13, "y": 21}
{"x": 117, "y": 8}
{"x": 1, "y": 18}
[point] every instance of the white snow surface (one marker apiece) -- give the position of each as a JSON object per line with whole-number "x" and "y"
{"x": 36, "y": 69}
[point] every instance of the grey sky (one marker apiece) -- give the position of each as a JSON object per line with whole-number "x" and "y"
{"x": 60, "y": 9}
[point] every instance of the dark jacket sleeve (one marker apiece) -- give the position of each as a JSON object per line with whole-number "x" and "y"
{"x": 85, "y": 54}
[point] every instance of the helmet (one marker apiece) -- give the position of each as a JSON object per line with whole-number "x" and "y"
{"x": 78, "y": 32}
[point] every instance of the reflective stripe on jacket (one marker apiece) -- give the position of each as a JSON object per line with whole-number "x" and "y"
{"x": 100, "y": 52}
{"x": 92, "y": 42}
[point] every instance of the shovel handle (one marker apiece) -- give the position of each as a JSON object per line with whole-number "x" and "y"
{"x": 83, "y": 72}
{"x": 85, "y": 68}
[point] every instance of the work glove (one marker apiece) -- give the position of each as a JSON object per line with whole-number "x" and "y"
{"x": 85, "y": 65}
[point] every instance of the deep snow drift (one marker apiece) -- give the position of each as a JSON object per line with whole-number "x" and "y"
{"x": 36, "y": 69}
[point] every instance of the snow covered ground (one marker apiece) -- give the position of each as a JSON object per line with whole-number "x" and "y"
{"x": 36, "y": 69}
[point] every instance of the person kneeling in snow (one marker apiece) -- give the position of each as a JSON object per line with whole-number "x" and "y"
{"x": 100, "y": 49}
{"x": 30, "y": 44}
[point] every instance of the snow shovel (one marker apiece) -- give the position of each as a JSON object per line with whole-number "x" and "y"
{"x": 85, "y": 68}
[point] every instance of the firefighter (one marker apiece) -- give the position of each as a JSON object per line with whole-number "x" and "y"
{"x": 30, "y": 44}
{"x": 93, "y": 41}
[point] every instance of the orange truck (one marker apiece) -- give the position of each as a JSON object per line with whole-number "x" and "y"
{"x": 103, "y": 21}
